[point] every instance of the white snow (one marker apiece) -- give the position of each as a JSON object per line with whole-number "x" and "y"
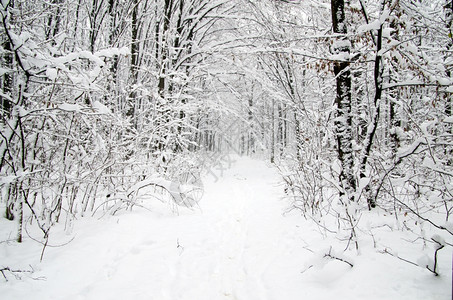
{"x": 237, "y": 245}
{"x": 342, "y": 56}
{"x": 444, "y": 81}
{"x": 113, "y": 51}
{"x": 70, "y": 107}
{"x": 4, "y": 71}
{"x": 51, "y": 73}
{"x": 375, "y": 25}
{"x": 101, "y": 108}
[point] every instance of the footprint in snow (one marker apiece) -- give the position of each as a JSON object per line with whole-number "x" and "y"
{"x": 149, "y": 243}
{"x": 238, "y": 177}
{"x": 136, "y": 250}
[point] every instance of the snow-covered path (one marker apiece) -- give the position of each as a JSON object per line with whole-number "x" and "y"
{"x": 246, "y": 233}
{"x": 238, "y": 245}
{"x": 222, "y": 251}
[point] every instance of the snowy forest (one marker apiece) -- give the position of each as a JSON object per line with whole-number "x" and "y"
{"x": 136, "y": 111}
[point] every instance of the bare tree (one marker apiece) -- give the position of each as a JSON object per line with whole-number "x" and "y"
{"x": 343, "y": 101}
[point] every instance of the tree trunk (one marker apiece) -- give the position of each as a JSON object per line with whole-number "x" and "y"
{"x": 164, "y": 47}
{"x": 448, "y": 98}
{"x": 343, "y": 121}
{"x": 449, "y": 21}
{"x": 280, "y": 137}
{"x": 7, "y": 81}
{"x": 113, "y": 77}
{"x": 371, "y": 132}
{"x": 251, "y": 135}
{"x": 272, "y": 132}
{"x": 394, "y": 116}
{"x": 134, "y": 61}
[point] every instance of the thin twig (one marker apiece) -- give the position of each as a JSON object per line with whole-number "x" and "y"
{"x": 399, "y": 257}
{"x": 8, "y": 269}
{"x": 337, "y": 258}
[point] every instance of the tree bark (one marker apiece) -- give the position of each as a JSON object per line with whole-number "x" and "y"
{"x": 343, "y": 121}
{"x": 272, "y": 132}
{"x": 371, "y": 132}
{"x": 394, "y": 116}
{"x": 449, "y": 19}
{"x": 7, "y": 81}
{"x": 134, "y": 60}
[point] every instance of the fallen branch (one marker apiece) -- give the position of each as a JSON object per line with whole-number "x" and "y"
{"x": 16, "y": 273}
{"x": 399, "y": 257}
{"x": 432, "y": 270}
{"x": 439, "y": 245}
{"x": 330, "y": 255}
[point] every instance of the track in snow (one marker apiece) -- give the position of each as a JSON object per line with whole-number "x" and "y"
{"x": 227, "y": 252}
{"x": 238, "y": 246}
{"x": 222, "y": 251}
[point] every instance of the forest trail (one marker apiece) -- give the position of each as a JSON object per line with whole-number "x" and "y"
{"x": 226, "y": 252}
{"x": 248, "y": 231}
{"x": 230, "y": 248}
{"x": 236, "y": 246}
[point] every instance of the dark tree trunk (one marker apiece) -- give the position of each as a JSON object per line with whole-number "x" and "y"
{"x": 251, "y": 137}
{"x": 164, "y": 47}
{"x": 280, "y": 129}
{"x": 447, "y": 96}
{"x": 343, "y": 121}
{"x": 371, "y": 132}
{"x": 134, "y": 60}
{"x": 449, "y": 19}
{"x": 112, "y": 39}
{"x": 272, "y": 110}
{"x": 7, "y": 80}
{"x": 394, "y": 117}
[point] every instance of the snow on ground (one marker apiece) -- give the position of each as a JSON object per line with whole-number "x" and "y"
{"x": 237, "y": 245}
